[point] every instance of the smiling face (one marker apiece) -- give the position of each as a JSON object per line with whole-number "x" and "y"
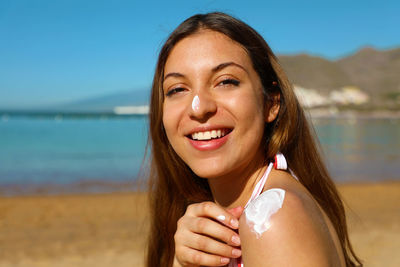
{"x": 213, "y": 110}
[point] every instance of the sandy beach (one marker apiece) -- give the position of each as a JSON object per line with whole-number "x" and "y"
{"x": 109, "y": 229}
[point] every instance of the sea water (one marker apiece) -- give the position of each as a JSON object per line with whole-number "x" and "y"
{"x": 35, "y": 150}
{"x": 361, "y": 150}
{"x": 40, "y": 150}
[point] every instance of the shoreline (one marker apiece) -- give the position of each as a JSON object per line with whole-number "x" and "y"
{"x": 334, "y": 113}
{"x": 109, "y": 229}
{"x": 75, "y": 188}
{"x": 99, "y": 187}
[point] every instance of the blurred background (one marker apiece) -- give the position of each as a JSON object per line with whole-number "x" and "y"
{"x": 75, "y": 78}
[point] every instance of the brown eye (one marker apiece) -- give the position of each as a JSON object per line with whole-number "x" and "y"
{"x": 230, "y": 81}
{"x": 175, "y": 91}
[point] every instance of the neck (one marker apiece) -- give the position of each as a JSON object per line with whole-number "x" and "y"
{"x": 234, "y": 189}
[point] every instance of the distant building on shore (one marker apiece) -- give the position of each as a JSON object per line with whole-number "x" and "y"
{"x": 348, "y": 95}
{"x": 131, "y": 110}
{"x": 310, "y": 98}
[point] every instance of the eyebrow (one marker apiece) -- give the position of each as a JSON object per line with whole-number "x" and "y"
{"x": 227, "y": 64}
{"x": 215, "y": 69}
{"x": 174, "y": 74}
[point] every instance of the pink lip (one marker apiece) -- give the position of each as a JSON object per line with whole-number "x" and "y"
{"x": 210, "y": 144}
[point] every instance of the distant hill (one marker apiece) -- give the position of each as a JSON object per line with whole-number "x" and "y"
{"x": 374, "y": 71}
{"x": 106, "y": 103}
{"x": 314, "y": 72}
{"x": 377, "y": 72}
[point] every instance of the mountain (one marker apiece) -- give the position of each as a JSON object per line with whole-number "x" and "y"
{"x": 314, "y": 72}
{"x": 106, "y": 103}
{"x": 376, "y": 72}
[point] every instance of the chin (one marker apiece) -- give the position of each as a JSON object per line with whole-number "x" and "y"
{"x": 207, "y": 175}
{"x": 209, "y": 170}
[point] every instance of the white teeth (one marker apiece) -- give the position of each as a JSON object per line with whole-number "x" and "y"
{"x": 200, "y": 136}
{"x": 207, "y": 135}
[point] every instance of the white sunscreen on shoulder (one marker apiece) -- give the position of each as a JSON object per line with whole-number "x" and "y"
{"x": 260, "y": 210}
{"x": 196, "y": 103}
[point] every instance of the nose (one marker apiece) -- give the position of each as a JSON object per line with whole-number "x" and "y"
{"x": 203, "y": 105}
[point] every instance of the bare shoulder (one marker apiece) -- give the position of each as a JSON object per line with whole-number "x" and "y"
{"x": 284, "y": 226}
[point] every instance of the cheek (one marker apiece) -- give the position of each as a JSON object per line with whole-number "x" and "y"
{"x": 168, "y": 123}
{"x": 171, "y": 118}
{"x": 247, "y": 109}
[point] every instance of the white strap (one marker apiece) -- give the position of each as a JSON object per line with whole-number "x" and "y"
{"x": 260, "y": 185}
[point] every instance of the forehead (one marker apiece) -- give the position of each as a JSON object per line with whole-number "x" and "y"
{"x": 206, "y": 48}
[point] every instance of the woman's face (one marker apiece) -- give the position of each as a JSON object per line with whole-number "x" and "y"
{"x": 213, "y": 110}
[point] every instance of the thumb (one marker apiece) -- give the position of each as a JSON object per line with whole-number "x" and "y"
{"x": 236, "y": 212}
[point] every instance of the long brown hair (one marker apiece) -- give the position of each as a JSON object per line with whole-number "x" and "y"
{"x": 173, "y": 186}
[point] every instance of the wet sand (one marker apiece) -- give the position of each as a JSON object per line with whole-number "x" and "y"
{"x": 109, "y": 229}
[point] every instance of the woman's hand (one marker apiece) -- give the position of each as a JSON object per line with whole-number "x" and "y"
{"x": 206, "y": 235}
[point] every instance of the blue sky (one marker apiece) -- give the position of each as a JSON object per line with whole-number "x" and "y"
{"x": 55, "y": 51}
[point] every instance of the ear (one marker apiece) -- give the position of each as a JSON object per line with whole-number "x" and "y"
{"x": 272, "y": 110}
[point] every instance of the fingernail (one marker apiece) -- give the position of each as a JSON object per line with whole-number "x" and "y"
{"x": 224, "y": 260}
{"x": 235, "y": 223}
{"x": 236, "y": 252}
{"x": 236, "y": 240}
{"x": 221, "y": 218}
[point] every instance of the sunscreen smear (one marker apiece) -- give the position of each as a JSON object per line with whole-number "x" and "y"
{"x": 259, "y": 211}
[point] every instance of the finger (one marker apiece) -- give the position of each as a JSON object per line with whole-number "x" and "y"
{"x": 213, "y": 229}
{"x": 236, "y": 212}
{"x": 191, "y": 256}
{"x": 212, "y": 210}
{"x": 214, "y": 247}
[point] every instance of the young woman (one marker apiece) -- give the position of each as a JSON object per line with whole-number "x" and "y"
{"x": 236, "y": 176}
